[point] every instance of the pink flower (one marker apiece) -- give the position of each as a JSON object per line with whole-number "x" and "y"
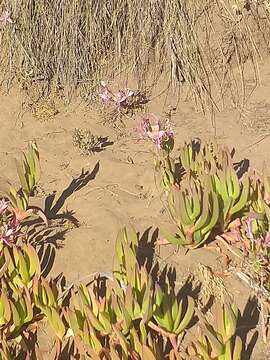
{"x": 105, "y": 94}
{"x": 5, "y": 18}
{"x": 157, "y": 133}
{"x": 20, "y": 215}
{"x": 119, "y": 99}
{"x": 3, "y": 206}
{"x": 122, "y": 96}
{"x": 264, "y": 243}
{"x": 8, "y": 234}
{"x": 249, "y": 231}
{"x": 267, "y": 239}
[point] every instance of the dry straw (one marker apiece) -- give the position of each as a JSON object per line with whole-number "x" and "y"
{"x": 72, "y": 45}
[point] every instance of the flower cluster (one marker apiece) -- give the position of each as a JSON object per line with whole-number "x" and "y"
{"x": 159, "y": 133}
{"x": 9, "y": 233}
{"x": 5, "y": 18}
{"x": 9, "y": 224}
{"x": 119, "y": 99}
{"x": 3, "y": 206}
{"x": 242, "y": 236}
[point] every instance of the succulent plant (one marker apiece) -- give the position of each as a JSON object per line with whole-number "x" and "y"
{"x": 5, "y": 311}
{"x": 125, "y": 256}
{"x": 85, "y": 336}
{"x": 168, "y": 312}
{"x": 198, "y": 158}
{"x": 234, "y": 194}
{"x": 147, "y": 347}
{"x": 29, "y": 173}
{"x": 266, "y": 186}
{"x": 46, "y": 299}
{"x": 21, "y": 309}
{"x": 208, "y": 195}
{"x": 221, "y": 342}
{"x": 128, "y": 307}
{"x": 195, "y": 211}
{"x": 136, "y": 298}
{"x": 98, "y": 310}
{"x": 259, "y": 209}
{"x": 127, "y": 315}
{"x": 22, "y": 266}
{"x": 165, "y": 167}
{"x": 19, "y": 266}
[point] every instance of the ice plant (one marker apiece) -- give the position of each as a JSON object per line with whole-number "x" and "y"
{"x": 195, "y": 212}
{"x": 5, "y": 18}
{"x": 160, "y": 134}
{"x": 219, "y": 341}
{"x": 119, "y": 99}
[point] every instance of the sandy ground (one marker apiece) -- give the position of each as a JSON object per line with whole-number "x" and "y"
{"x": 105, "y": 191}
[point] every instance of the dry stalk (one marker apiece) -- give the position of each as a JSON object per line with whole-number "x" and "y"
{"x": 68, "y": 47}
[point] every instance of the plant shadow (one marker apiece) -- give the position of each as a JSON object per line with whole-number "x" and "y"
{"x": 241, "y": 167}
{"x": 247, "y": 323}
{"x": 51, "y": 211}
{"x": 48, "y": 239}
{"x": 103, "y": 143}
{"x": 165, "y": 276}
{"x": 146, "y": 248}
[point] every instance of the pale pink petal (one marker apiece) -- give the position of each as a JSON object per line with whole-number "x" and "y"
{"x": 105, "y": 97}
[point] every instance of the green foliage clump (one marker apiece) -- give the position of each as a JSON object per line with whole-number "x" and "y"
{"x": 130, "y": 314}
{"x": 207, "y": 194}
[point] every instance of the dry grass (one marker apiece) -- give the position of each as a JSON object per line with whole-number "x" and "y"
{"x": 68, "y": 46}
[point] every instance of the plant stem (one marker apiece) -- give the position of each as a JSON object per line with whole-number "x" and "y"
{"x": 164, "y": 333}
